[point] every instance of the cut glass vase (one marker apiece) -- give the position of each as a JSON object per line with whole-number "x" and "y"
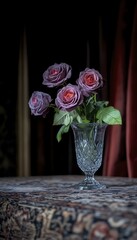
{"x": 89, "y": 144}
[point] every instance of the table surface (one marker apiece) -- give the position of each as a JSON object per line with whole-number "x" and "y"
{"x": 51, "y": 208}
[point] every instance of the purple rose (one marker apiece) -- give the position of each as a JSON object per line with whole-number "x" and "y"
{"x": 39, "y": 103}
{"x": 89, "y": 80}
{"x": 56, "y": 74}
{"x": 69, "y": 97}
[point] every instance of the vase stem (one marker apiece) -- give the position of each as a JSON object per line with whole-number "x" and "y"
{"x": 89, "y": 177}
{"x": 89, "y": 183}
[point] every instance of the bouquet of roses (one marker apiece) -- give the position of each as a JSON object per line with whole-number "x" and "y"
{"x": 73, "y": 102}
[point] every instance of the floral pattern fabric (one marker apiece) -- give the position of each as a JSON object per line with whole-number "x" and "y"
{"x": 51, "y": 208}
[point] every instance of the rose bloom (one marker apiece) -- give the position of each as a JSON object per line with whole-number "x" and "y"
{"x": 56, "y": 74}
{"x": 89, "y": 80}
{"x": 39, "y": 103}
{"x": 69, "y": 97}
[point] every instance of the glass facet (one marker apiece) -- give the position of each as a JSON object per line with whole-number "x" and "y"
{"x": 89, "y": 143}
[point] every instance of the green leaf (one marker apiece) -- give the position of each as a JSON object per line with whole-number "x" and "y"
{"x": 101, "y": 104}
{"x": 63, "y": 129}
{"x": 67, "y": 120}
{"x": 64, "y": 117}
{"x": 79, "y": 119}
{"x": 109, "y": 115}
{"x": 61, "y": 117}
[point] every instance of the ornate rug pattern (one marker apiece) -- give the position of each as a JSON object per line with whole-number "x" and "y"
{"x": 49, "y": 208}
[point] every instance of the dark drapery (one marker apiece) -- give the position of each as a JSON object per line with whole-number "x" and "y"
{"x": 131, "y": 109}
{"x": 121, "y": 153}
{"x": 87, "y": 35}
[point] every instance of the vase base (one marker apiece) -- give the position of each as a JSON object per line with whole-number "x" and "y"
{"x": 89, "y": 185}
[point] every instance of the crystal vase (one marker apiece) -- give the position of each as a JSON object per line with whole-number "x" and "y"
{"x": 89, "y": 143}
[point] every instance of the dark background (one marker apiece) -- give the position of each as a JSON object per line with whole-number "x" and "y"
{"x": 56, "y": 32}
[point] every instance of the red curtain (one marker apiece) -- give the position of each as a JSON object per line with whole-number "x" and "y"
{"x": 131, "y": 108}
{"x": 120, "y": 157}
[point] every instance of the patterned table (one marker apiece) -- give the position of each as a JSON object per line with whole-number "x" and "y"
{"x": 50, "y": 208}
